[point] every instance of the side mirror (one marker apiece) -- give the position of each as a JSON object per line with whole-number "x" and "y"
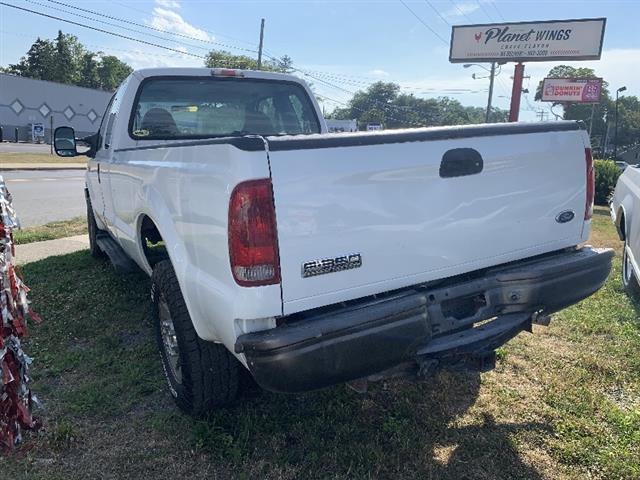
{"x": 64, "y": 142}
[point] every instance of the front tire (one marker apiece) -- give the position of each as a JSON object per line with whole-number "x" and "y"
{"x": 201, "y": 375}
{"x": 629, "y": 280}
{"x": 92, "y": 227}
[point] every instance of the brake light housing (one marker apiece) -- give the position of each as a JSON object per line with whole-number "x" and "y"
{"x": 227, "y": 72}
{"x": 253, "y": 239}
{"x": 591, "y": 184}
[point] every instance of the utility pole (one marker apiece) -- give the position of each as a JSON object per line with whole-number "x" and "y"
{"x": 615, "y": 135}
{"x": 261, "y": 42}
{"x": 51, "y": 133}
{"x": 491, "y": 78}
{"x": 516, "y": 92}
{"x": 593, "y": 109}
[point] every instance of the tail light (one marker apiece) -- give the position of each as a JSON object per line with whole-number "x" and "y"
{"x": 591, "y": 185}
{"x": 253, "y": 241}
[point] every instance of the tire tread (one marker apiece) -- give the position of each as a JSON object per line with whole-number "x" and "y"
{"x": 210, "y": 377}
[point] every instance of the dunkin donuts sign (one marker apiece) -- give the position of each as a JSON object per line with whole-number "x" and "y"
{"x": 531, "y": 41}
{"x": 572, "y": 90}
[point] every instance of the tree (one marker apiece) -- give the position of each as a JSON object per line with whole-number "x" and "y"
{"x": 384, "y": 103}
{"x": 38, "y": 63}
{"x": 64, "y": 67}
{"x": 224, "y": 59}
{"x": 111, "y": 72}
{"x": 66, "y": 60}
{"x": 88, "y": 71}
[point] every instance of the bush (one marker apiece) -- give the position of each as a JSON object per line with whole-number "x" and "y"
{"x": 607, "y": 173}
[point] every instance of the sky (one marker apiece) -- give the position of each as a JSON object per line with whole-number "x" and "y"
{"x": 345, "y": 44}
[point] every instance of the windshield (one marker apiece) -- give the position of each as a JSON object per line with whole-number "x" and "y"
{"x": 196, "y": 107}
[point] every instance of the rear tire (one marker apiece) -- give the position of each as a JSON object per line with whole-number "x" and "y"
{"x": 629, "y": 280}
{"x": 92, "y": 227}
{"x": 201, "y": 375}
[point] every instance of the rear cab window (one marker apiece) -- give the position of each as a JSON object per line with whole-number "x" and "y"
{"x": 168, "y": 108}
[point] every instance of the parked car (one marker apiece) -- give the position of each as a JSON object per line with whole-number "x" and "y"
{"x": 621, "y": 165}
{"x": 625, "y": 213}
{"x": 312, "y": 259}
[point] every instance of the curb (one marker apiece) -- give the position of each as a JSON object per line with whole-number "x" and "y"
{"x": 37, "y": 167}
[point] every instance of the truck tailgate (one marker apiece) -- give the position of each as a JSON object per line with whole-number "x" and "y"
{"x": 421, "y": 205}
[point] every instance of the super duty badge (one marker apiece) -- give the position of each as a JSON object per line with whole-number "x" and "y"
{"x": 330, "y": 265}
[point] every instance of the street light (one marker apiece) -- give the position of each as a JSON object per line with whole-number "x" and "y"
{"x": 615, "y": 136}
{"x": 492, "y": 75}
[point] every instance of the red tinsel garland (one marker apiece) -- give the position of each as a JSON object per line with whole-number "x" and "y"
{"x": 15, "y": 396}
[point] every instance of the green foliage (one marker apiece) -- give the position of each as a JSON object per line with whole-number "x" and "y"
{"x": 66, "y": 60}
{"x": 384, "y": 103}
{"x": 607, "y": 173}
{"x": 224, "y": 59}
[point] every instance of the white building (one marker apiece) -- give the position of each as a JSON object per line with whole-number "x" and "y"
{"x": 25, "y": 101}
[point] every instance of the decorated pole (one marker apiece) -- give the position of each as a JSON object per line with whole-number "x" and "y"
{"x": 16, "y": 399}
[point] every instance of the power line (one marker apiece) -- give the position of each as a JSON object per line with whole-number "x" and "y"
{"x": 424, "y": 23}
{"x": 323, "y": 81}
{"x": 101, "y": 48}
{"x": 455, "y": 5}
{"x": 149, "y": 27}
{"x": 484, "y": 10}
{"x": 495, "y": 5}
{"x": 215, "y": 34}
{"x": 103, "y": 31}
{"x": 437, "y": 12}
{"x": 153, "y": 44}
{"x": 117, "y": 26}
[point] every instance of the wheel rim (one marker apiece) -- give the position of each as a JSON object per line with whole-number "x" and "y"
{"x": 627, "y": 269}
{"x": 169, "y": 339}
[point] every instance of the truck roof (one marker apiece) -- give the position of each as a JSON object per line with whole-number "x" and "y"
{"x": 201, "y": 72}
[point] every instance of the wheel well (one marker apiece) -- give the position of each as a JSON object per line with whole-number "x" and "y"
{"x": 152, "y": 242}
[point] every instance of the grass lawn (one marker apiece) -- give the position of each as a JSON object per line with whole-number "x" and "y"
{"x": 562, "y": 403}
{"x": 16, "y": 157}
{"x": 51, "y": 231}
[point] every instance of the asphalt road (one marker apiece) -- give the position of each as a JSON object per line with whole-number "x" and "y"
{"x": 41, "y": 197}
{"x": 8, "y": 147}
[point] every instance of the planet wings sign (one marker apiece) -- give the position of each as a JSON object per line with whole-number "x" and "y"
{"x": 528, "y": 41}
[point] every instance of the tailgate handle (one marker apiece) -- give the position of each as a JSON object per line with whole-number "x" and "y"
{"x": 459, "y": 162}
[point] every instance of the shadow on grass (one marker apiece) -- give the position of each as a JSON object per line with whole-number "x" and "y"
{"x": 95, "y": 363}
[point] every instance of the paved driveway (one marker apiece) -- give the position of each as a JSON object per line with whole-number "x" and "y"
{"x": 41, "y": 197}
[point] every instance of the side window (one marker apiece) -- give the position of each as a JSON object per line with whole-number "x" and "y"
{"x": 109, "y": 131}
{"x": 113, "y": 112}
{"x": 103, "y": 123}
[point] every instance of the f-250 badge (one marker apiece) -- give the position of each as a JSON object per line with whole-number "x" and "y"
{"x": 330, "y": 265}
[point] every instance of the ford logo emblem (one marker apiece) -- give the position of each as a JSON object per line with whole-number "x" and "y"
{"x": 566, "y": 216}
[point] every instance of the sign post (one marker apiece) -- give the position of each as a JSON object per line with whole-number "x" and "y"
{"x": 518, "y": 42}
{"x": 37, "y": 132}
{"x": 516, "y": 92}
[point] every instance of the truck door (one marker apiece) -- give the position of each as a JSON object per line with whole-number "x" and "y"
{"x": 107, "y": 156}
{"x": 95, "y": 167}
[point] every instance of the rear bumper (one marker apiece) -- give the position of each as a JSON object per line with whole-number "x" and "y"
{"x": 422, "y": 323}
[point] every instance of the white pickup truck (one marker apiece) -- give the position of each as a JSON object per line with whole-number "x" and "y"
{"x": 312, "y": 259}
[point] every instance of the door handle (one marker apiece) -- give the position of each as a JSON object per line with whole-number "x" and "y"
{"x": 459, "y": 162}
{"x": 98, "y": 172}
